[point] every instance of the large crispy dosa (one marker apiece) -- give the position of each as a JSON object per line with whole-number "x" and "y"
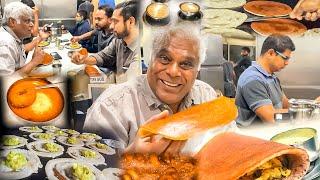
{"x": 267, "y": 8}
{"x": 229, "y": 156}
{"x": 279, "y": 26}
{"x": 196, "y": 119}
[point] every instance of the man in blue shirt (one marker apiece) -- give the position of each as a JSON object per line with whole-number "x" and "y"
{"x": 82, "y": 26}
{"x": 88, "y": 7}
{"x": 102, "y": 32}
{"x": 259, "y": 94}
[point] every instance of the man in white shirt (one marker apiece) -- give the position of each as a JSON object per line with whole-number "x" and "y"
{"x": 17, "y": 25}
{"x": 170, "y": 84}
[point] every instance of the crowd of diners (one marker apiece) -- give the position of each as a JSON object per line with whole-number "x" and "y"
{"x": 116, "y": 32}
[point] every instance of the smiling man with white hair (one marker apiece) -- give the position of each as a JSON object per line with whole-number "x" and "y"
{"x": 16, "y": 25}
{"x": 170, "y": 84}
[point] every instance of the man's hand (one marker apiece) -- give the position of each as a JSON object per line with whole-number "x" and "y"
{"x": 75, "y": 39}
{"x": 154, "y": 144}
{"x": 43, "y": 35}
{"x": 37, "y": 56}
{"x": 78, "y": 58}
{"x": 309, "y": 9}
{"x": 318, "y": 99}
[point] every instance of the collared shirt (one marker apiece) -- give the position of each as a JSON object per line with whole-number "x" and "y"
{"x": 104, "y": 39}
{"x": 79, "y": 29}
{"x": 256, "y": 88}
{"x": 12, "y": 54}
{"x": 118, "y": 55}
{"x": 121, "y": 109}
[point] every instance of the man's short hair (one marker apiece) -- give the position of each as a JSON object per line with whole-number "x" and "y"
{"x": 129, "y": 9}
{"x": 277, "y": 42}
{"x": 29, "y": 3}
{"x": 162, "y": 38}
{"x": 15, "y": 10}
{"x": 83, "y": 13}
{"x": 107, "y": 9}
{"x": 246, "y": 49}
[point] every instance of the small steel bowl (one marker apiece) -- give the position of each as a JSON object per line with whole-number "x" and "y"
{"x": 190, "y": 11}
{"x": 189, "y": 8}
{"x": 305, "y": 138}
{"x": 161, "y": 1}
{"x": 157, "y": 14}
{"x": 194, "y": 17}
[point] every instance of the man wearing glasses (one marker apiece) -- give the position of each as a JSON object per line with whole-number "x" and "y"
{"x": 17, "y": 25}
{"x": 259, "y": 93}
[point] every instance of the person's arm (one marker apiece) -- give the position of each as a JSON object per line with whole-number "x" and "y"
{"x": 105, "y": 58}
{"x": 285, "y": 102}
{"x": 266, "y": 113}
{"x": 83, "y": 36}
{"x": 37, "y": 58}
{"x": 77, "y": 58}
{"x": 35, "y": 29}
{"x": 30, "y": 46}
{"x": 256, "y": 96}
{"x": 307, "y": 9}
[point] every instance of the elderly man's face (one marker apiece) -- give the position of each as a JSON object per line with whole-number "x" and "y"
{"x": 174, "y": 70}
{"x": 24, "y": 28}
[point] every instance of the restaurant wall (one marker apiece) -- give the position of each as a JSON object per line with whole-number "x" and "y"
{"x": 300, "y": 79}
{"x": 53, "y": 11}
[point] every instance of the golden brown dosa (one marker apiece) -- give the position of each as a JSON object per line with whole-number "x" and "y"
{"x": 279, "y": 26}
{"x": 229, "y": 156}
{"x": 267, "y": 8}
{"x": 185, "y": 124}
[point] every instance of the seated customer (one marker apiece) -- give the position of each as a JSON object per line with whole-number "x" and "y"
{"x": 259, "y": 93}
{"x": 123, "y": 52}
{"x": 102, "y": 30}
{"x": 82, "y": 26}
{"x": 17, "y": 25}
{"x": 170, "y": 84}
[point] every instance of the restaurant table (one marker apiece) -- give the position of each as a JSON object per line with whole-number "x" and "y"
{"x": 110, "y": 160}
{"x": 65, "y": 60}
